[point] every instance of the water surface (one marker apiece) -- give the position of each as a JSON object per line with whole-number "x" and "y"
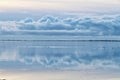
{"x": 59, "y": 55}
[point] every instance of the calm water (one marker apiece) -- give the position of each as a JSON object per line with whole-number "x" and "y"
{"x": 59, "y": 55}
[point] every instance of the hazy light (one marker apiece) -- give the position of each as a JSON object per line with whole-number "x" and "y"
{"x": 61, "y": 75}
{"x": 70, "y": 5}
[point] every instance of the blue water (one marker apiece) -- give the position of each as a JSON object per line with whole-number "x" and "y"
{"x": 59, "y": 55}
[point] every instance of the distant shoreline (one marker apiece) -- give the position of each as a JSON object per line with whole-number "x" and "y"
{"x": 59, "y": 40}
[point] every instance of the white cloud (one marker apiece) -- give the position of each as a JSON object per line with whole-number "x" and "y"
{"x": 63, "y": 26}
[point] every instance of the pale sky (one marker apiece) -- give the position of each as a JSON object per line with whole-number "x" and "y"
{"x": 67, "y": 5}
{"x": 61, "y": 75}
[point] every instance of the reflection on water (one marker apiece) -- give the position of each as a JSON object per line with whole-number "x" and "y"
{"x": 60, "y": 55}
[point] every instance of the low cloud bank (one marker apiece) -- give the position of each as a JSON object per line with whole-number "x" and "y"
{"x": 50, "y": 25}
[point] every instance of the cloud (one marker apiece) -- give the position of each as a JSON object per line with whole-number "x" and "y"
{"x": 50, "y": 25}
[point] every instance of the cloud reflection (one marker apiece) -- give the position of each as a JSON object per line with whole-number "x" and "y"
{"x": 63, "y": 56}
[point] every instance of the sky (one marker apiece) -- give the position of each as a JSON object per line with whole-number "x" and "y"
{"x": 56, "y": 4}
{"x": 69, "y": 5}
{"x": 67, "y": 17}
